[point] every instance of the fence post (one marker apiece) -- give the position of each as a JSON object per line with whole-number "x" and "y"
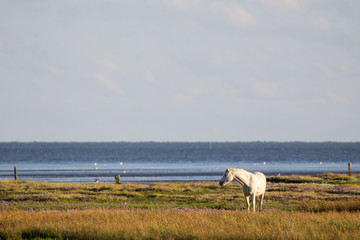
{"x": 15, "y": 174}
{"x": 117, "y": 178}
{"x": 349, "y": 168}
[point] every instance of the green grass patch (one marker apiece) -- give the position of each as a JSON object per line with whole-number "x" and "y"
{"x": 284, "y": 193}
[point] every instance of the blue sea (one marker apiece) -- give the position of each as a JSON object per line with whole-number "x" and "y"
{"x": 147, "y": 162}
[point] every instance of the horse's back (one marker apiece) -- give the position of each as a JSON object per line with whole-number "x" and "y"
{"x": 260, "y": 176}
{"x": 261, "y": 182}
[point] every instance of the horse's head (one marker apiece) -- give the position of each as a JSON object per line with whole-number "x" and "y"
{"x": 227, "y": 178}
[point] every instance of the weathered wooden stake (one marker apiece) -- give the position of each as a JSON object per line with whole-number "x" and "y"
{"x": 117, "y": 178}
{"x": 349, "y": 168}
{"x": 15, "y": 173}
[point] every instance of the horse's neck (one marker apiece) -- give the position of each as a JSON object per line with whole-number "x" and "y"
{"x": 242, "y": 177}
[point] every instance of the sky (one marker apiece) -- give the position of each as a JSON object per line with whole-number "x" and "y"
{"x": 180, "y": 70}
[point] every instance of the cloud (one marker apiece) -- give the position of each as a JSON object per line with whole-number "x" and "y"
{"x": 283, "y": 4}
{"x": 320, "y": 23}
{"x": 179, "y": 5}
{"x": 265, "y": 89}
{"x": 229, "y": 12}
{"x": 54, "y": 70}
{"x": 337, "y": 99}
{"x": 328, "y": 71}
{"x": 182, "y": 99}
{"x": 106, "y": 73}
{"x": 149, "y": 76}
{"x": 108, "y": 83}
{"x": 109, "y": 65}
{"x": 233, "y": 14}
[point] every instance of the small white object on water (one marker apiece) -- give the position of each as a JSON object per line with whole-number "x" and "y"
{"x": 97, "y": 180}
{"x": 96, "y": 168}
{"x": 121, "y": 163}
{"x": 124, "y": 171}
{"x": 264, "y": 163}
{"x": 321, "y": 163}
{"x": 95, "y": 164}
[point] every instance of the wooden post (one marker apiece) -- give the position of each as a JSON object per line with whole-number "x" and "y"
{"x": 349, "y": 168}
{"x": 15, "y": 173}
{"x": 117, "y": 178}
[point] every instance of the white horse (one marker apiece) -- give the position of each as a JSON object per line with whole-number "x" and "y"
{"x": 254, "y": 184}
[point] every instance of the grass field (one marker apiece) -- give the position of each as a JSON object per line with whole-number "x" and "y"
{"x": 326, "y": 206}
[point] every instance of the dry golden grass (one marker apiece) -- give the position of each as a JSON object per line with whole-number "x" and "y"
{"x": 177, "y": 224}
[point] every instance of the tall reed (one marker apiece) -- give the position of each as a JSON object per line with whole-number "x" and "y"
{"x": 177, "y": 224}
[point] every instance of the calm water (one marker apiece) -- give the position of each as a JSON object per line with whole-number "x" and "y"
{"x": 151, "y": 162}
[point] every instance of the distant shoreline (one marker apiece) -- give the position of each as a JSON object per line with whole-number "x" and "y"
{"x": 129, "y": 178}
{"x": 185, "y": 174}
{"x": 171, "y": 142}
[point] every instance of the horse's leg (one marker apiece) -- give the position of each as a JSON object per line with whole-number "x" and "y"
{"x": 261, "y": 201}
{"x": 253, "y": 196}
{"x": 248, "y": 202}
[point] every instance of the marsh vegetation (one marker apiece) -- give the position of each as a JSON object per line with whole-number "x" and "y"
{"x": 302, "y": 207}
